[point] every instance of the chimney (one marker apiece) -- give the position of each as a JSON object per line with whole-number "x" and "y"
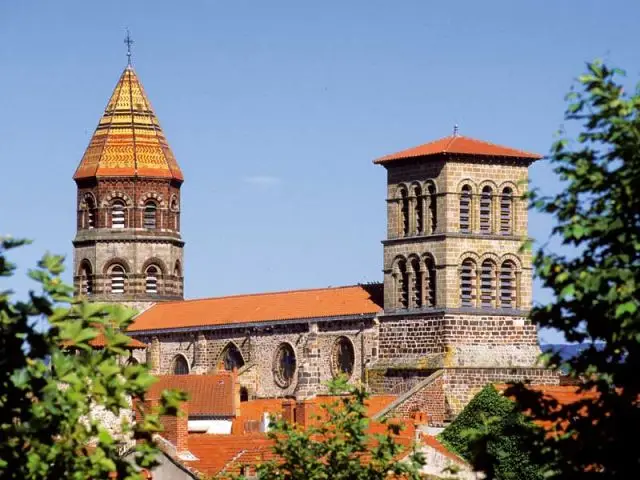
{"x": 176, "y": 429}
{"x": 235, "y": 388}
{"x": 287, "y": 410}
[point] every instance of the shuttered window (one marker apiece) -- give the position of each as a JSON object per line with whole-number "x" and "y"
{"x": 117, "y": 214}
{"x": 117, "y": 279}
{"x": 149, "y": 220}
{"x": 465, "y": 209}
{"x": 485, "y": 210}
{"x": 506, "y": 207}
{"x": 487, "y": 284}
{"x": 432, "y": 208}
{"x": 507, "y": 285}
{"x": 151, "y": 280}
{"x": 468, "y": 284}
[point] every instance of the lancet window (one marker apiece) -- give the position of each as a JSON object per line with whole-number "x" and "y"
{"x": 180, "y": 366}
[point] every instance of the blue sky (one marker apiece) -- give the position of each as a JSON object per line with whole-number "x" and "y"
{"x": 276, "y": 109}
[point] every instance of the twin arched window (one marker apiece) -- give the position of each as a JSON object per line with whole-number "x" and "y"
{"x": 486, "y": 211}
{"x": 417, "y": 210}
{"x": 497, "y": 289}
{"x": 415, "y": 282}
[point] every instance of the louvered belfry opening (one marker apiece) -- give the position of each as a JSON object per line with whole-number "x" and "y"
{"x": 485, "y": 210}
{"x": 430, "y": 282}
{"x": 508, "y": 285}
{"x": 468, "y": 284}
{"x": 506, "y": 208}
{"x": 487, "y": 284}
{"x": 465, "y": 209}
{"x": 432, "y": 208}
{"x": 404, "y": 212}
{"x": 149, "y": 216}
{"x": 117, "y": 279}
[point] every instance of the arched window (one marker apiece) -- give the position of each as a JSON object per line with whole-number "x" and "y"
{"x": 417, "y": 294}
{"x": 432, "y": 208}
{"x": 487, "y": 284}
{"x": 430, "y": 282}
{"x": 86, "y": 278}
{"x": 508, "y": 285}
{"x": 419, "y": 211}
{"x": 343, "y": 357}
{"x": 177, "y": 270}
{"x": 485, "y": 210}
{"x": 465, "y": 209}
{"x": 244, "y": 394}
{"x": 149, "y": 216}
{"x": 117, "y": 276}
{"x": 468, "y": 284}
{"x": 402, "y": 283}
{"x": 284, "y": 365}
{"x": 151, "y": 279}
{"x": 179, "y": 366}
{"x": 90, "y": 212}
{"x": 404, "y": 211}
{"x": 506, "y": 208}
{"x": 117, "y": 214}
{"x": 132, "y": 361}
{"x": 231, "y": 358}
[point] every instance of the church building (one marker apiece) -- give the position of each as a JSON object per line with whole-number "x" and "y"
{"x": 449, "y": 316}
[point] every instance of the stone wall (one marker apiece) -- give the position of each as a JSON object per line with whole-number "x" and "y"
{"x": 258, "y": 346}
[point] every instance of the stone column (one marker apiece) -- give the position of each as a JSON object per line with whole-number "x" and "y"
{"x": 200, "y": 364}
{"x": 153, "y": 356}
{"x": 309, "y": 370}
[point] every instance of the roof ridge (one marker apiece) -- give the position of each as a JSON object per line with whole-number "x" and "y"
{"x": 258, "y": 294}
{"x": 477, "y": 140}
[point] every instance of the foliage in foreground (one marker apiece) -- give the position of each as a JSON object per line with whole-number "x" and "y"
{"x": 596, "y": 285}
{"x": 47, "y": 393}
{"x": 338, "y": 445}
{"x": 492, "y": 434}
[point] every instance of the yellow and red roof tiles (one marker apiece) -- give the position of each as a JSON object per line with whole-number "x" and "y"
{"x": 262, "y": 307}
{"x": 128, "y": 140}
{"x": 458, "y": 145}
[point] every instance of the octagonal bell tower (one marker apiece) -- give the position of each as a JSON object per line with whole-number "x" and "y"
{"x": 128, "y": 247}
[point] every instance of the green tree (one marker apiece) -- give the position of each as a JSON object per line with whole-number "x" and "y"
{"x": 47, "y": 392}
{"x": 596, "y": 285}
{"x": 493, "y": 434}
{"x": 338, "y": 445}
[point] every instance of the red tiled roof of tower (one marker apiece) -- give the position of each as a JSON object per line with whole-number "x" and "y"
{"x": 128, "y": 140}
{"x": 209, "y": 395}
{"x": 262, "y": 307}
{"x": 459, "y": 145}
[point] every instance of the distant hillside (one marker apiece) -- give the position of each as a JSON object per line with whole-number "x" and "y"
{"x": 565, "y": 350}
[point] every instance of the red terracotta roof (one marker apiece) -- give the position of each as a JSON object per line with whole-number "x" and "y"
{"x": 439, "y": 447}
{"x": 458, "y": 145}
{"x": 262, "y": 307}
{"x": 100, "y": 342}
{"x": 209, "y": 395}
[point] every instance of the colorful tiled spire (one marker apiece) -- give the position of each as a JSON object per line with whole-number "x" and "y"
{"x": 128, "y": 140}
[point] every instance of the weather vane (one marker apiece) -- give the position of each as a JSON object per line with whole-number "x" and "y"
{"x": 128, "y": 42}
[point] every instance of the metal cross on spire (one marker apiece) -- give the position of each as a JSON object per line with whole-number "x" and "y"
{"x": 128, "y": 42}
{"x": 455, "y": 130}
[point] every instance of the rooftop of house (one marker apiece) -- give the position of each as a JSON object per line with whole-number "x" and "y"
{"x": 458, "y": 145}
{"x": 209, "y": 395}
{"x": 356, "y": 300}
